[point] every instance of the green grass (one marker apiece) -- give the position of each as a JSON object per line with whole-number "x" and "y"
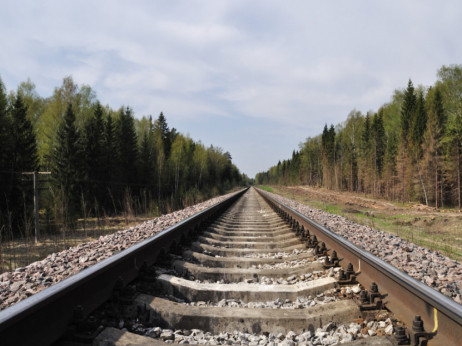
{"x": 266, "y": 188}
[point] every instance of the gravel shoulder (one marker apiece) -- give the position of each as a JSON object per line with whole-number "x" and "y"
{"x": 25, "y": 281}
{"x": 436, "y": 229}
{"x": 428, "y": 266}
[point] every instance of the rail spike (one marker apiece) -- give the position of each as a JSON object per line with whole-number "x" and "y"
{"x": 347, "y": 277}
{"x": 321, "y": 250}
{"x": 372, "y": 299}
{"x": 312, "y": 242}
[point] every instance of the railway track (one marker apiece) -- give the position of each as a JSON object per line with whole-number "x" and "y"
{"x": 247, "y": 271}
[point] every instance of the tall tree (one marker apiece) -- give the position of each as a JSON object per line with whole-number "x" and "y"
{"x": 163, "y": 145}
{"x": 109, "y": 163}
{"x": 25, "y": 146}
{"x": 94, "y": 155}
{"x": 127, "y": 147}
{"x": 328, "y": 151}
{"x": 432, "y": 145}
{"x": 367, "y": 160}
{"x": 6, "y": 149}
{"x": 407, "y": 111}
{"x": 147, "y": 157}
{"x": 33, "y": 102}
{"x": 24, "y": 159}
{"x": 379, "y": 138}
{"x": 404, "y": 166}
{"x": 450, "y": 78}
{"x": 419, "y": 123}
{"x": 67, "y": 164}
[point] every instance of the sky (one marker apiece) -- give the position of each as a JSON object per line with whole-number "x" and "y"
{"x": 255, "y": 78}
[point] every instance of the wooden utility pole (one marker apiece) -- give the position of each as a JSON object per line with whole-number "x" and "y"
{"x": 36, "y": 201}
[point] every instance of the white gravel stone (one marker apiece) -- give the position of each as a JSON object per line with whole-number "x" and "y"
{"x": 389, "y": 329}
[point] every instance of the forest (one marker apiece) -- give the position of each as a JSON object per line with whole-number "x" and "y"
{"x": 94, "y": 161}
{"x": 409, "y": 150}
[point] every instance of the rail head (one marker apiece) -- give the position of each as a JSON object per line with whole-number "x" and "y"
{"x": 47, "y": 314}
{"x": 406, "y": 297}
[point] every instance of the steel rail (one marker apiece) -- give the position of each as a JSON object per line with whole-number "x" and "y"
{"x": 405, "y": 296}
{"x": 45, "y": 317}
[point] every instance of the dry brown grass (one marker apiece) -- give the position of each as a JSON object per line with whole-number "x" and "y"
{"x": 21, "y": 252}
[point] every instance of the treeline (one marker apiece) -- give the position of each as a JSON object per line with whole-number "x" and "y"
{"x": 102, "y": 161}
{"x": 409, "y": 150}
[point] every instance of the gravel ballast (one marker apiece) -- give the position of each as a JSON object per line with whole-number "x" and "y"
{"x": 330, "y": 334}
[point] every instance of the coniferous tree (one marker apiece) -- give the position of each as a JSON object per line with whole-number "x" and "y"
{"x": 127, "y": 150}
{"x": 419, "y": 124}
{"x": 390, "y": 168}
{"x": 162, "y": 145}
{"x": 24, "y": 159}
{"x": 93, "y": 148}
{"x": 404, "y": 160}
{"x": 432, "y": 147}
{"x": 366, "y": 156}
{"x": 407, "y": 112}
{"x": 453, "y": 142}
{"x": 378, "y": 136}
{"x": 6, "y": 148}
{"x": 147, "y": 157}
{"x": 67, "y": 165}
{"x": 451, "y": 87}
{"x": 109, "y": 164}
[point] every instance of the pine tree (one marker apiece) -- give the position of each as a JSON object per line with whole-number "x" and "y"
{"x": 407, "y": 111}
{"x": 6, "y": 150}
{"x": 24, "y": 158}
{"x": 366, "y": 158}
{"x": 25, "y": 145}
{"x": 453, "y": 141}
{"x": 93, "y": 148}
{"x": 127, "y": 148}
{"x": 109, "y": 164}
{"x": 163, "y": 146}
{"x": 328, "y": 153}
{"x": 147, "y": 157}
{"x": 418, "y": 126}
{"x": 405, "y": 169}
{"x": 378, "y": 136}
{"x": 390, "y": 167}
{"x": 432, "y": 147}
{"x": 67, "y": 164}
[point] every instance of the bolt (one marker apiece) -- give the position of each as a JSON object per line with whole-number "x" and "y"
{"x": 350, "y": 270}
{"x": 400, "y": 336}
{"x": 334, "y": 256}
{"x": 417, "y": 324}
{"x": 374, "y": 288}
